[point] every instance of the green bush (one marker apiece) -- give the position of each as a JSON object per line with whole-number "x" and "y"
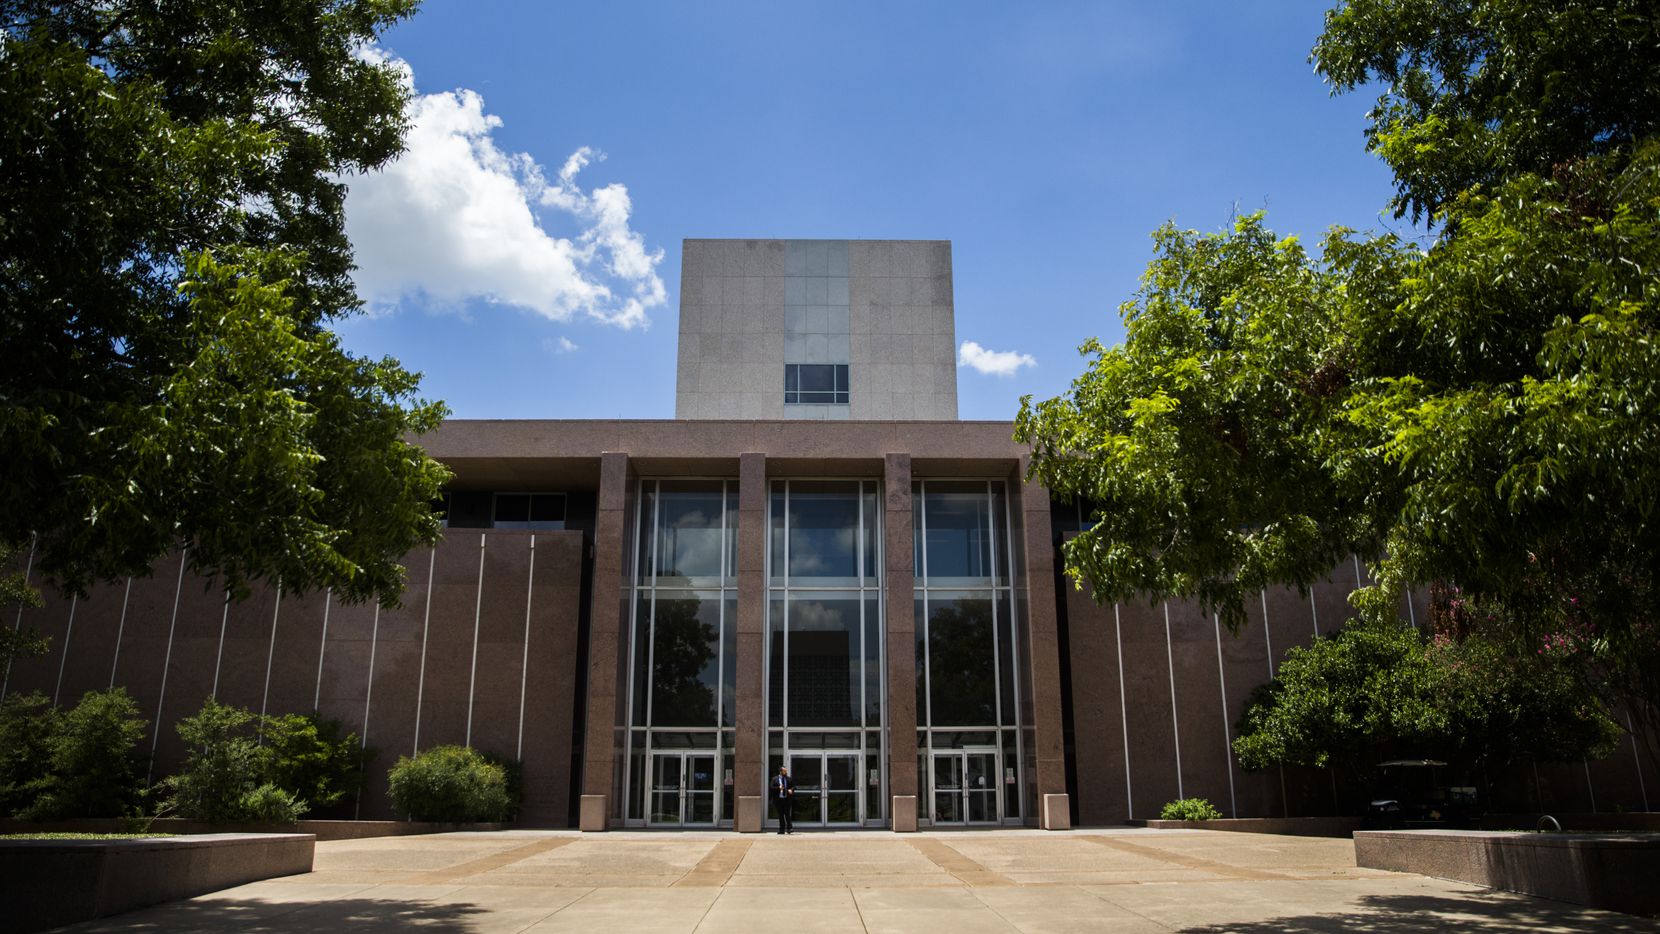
{"x": 451, "y": 783}
{"x": 27, "y": 724}
{"x": 272, "y": 804}
{"x": 245, "y": 767}
{"x": 79, "y": 762}
{"x": 1190, "y": 809}
{"x": 311, "y": 760}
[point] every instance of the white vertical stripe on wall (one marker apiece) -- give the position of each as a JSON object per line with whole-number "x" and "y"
{"x": 426, "y": 620}
{"x": 1411, "y": 613}
{"x": 271, "y": 652}
{"x": 1637, "y": 759}
{"x": 1124, "y": 715}
{"x": 1314, "y": 611}
{"x": 368, "y": 695}
{"x": 1590, "y": 788}
{"x": 1175, "y": 725}
{"x": 1227, "y": 734}
{"x": 322, "y": 649}
{"x": 1358, "y": 583}
{"x": 17, "y": 623}
{"x": 166, "y": 663}
{"x": 524, "y": 663}
{"x": 119, "y": 630}
{"x": 478, "y": 608}
{"x": 63, "y": 660}
{"x": 1268, "y": 640}
{"x": 224, "y": 618}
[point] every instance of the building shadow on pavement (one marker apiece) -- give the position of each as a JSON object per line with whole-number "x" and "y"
{"x": 252, "y": 915}
{"x": 1488, "y": 911}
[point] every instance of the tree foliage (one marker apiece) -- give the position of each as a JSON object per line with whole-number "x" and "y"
{"x": 452, "y": 784}
{"x": 1379, "y": 687}
{"x": 172, "y": 252}
{"x": 247, "y": 766}
{"x": 1481, "y": 410}
{"x": 80, "y": 761}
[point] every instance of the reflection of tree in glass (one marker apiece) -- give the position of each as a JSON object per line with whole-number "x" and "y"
{"x": 685, "y": 648}
{"x": 962, "y": 677}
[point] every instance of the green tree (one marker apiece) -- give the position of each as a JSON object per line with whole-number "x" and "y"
{"x": 172, "y": 253}
{"x": 75, "y": 762}
{"x": 247, "y": 766}
{"x": 95, "y": 770}
{"x": 1379, "y": 687}
{"x": 27, "y": 724}
{"x": 1482, "y": 410}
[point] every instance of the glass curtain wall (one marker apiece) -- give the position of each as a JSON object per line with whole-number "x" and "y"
{"x": 683, "y": 644}
{"x": 968, "y": 739}
{"x": 824, "y": 649}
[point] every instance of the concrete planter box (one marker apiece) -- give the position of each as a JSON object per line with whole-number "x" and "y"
{"x": 1600, "y": 822}
{"x": 1616, "y": 872}
{"x": 1289, "y": 826}
{"x": 321, "y": 829}
{"x": 56, "y": 882}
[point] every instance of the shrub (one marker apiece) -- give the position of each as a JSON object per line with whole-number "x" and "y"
{"x": 1190, "y": 809}
{"x": 272, "y": 804}
{"x": 95, "y": 765}
{"x": 224, "y": 763}
{"x": 79, "y": 762}
{"x": 27, "y": 724}
{"x": 312, "y": 761}
{"x": 245, "y": 767}
{"x": 450, "y": 783}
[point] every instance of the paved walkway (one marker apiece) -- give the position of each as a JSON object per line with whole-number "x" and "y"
{"x": 958, "y": 882}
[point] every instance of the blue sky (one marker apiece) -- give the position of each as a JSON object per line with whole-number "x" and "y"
{"x": 1045, "y": 140}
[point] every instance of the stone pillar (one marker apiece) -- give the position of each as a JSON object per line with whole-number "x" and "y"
{"x": 1036, "y": 576}
{"x": 607, "y": 647}
{"x": 749, "y": 756}
{"x": 898, "y": 599}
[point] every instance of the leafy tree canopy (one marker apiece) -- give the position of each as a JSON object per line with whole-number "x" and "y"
{"x": 1483, "y": 410}
{"x": 172, "y": 252}
{"x": 1375, "y": 689}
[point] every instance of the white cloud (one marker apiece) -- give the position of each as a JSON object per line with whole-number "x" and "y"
{"x": 559, "y": 345}
{"x": 455, "y": 219}
{"x": 992, "y": 362}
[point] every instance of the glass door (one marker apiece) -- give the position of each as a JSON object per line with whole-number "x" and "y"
{"x": 948, "y": 788}
{"x": 807, "y": 770}
{"x": 698, "y": 800}
{"x": 980, "y": 784}
{"x": 965, "y": 787}
{"x": 841, "y": 788}
{"x": 682, "y": 789}
{"x": 666, "y": 779}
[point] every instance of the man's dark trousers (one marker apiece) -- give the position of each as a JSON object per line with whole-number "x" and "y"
{"x": 786, "y": 816}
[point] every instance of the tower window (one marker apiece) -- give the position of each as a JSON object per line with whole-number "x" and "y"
{"x": 815, "y": 383}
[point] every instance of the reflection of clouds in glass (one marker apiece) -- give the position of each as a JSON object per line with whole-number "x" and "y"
{"x": 822, "y": 553}
{"x": 824, "y": 616}
{"x": 690, "y": 545}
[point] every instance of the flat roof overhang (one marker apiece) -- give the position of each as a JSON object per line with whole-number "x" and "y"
{"x": 564, "y": 453}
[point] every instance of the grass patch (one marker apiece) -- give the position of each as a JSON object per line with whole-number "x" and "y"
{"x": 67, "y": 835}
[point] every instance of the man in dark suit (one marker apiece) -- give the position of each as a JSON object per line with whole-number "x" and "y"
{"x": 783, "y": 798}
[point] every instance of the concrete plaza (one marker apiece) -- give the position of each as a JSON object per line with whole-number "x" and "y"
{"x": 1121, "y": 880}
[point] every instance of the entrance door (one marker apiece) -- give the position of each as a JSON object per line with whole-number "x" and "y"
{"x": 827, "y": 789}
{"x": 965, "y": 788}
{"x": 682, "y": 788}
{"x": 807, "y": 771}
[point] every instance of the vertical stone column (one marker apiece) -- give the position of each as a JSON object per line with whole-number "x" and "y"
{"x": 748, "y": 760}
{"x": 1036, "y": 576}
{"x": 898, "y": 599}
{"x": 607, "y": 647}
